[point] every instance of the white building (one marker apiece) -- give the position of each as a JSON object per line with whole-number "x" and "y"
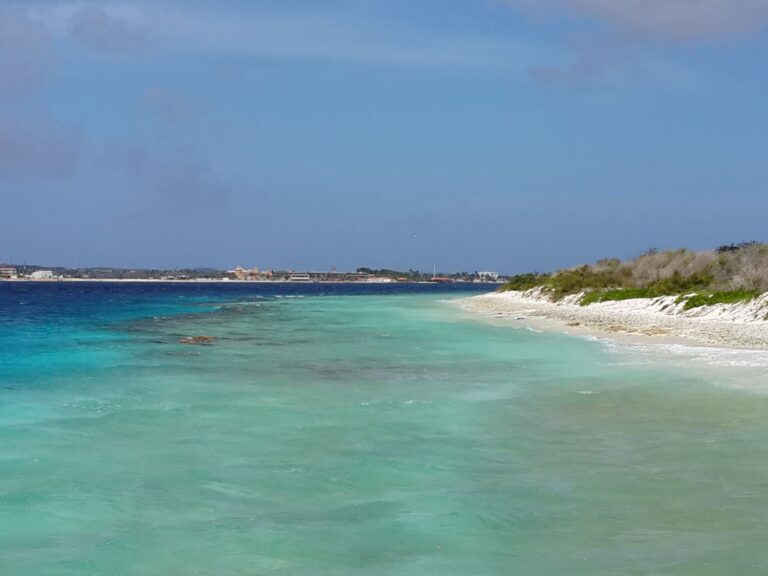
{"x": 41, "y": 275}
{"x": 8, "y": 272}
{"x": 488, "y": 276}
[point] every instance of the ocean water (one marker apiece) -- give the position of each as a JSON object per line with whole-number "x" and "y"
{"x": 361, "y": 430}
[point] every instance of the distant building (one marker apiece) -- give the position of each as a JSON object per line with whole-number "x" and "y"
{"x": 239, "y": 273}
{"x": 41, "y": 275}
{"x": 488, "y": 276}
{"x": 8, "y": 272}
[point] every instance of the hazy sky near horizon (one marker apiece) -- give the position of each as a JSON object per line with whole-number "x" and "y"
{"x": 479, "y": 134}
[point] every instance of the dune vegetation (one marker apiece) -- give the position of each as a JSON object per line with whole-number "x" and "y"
{"x": 728, "y": 274}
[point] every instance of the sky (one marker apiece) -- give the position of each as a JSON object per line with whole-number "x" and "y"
{"x": 508, "y": 135}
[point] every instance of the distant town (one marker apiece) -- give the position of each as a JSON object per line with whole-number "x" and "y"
{"x": 11, "y": 272}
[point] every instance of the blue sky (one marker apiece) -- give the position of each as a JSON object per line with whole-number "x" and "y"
{"x": 493, "y": 134}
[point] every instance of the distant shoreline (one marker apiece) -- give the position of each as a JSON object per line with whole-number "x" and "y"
{"x": 657, "y": 320}
{"x": 224, "y": 281}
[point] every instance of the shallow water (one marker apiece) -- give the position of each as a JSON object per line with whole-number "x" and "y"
{"x": 359, "y": 431}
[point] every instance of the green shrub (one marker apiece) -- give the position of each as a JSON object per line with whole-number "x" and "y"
{"x": 729, "y": 297}
{"x": 684, "y": 272}
{"x": 695, "y": 301}
{"x": 615, "y": 295}
{"x": 523, "y": 282}
{"x": 577, "y": 280}
{"x": 679, "y": 284}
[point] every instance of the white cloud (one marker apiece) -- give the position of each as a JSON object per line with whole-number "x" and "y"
{"x": 96, "y": 29}
{"x": 40, "y": 149}
{"x": 667, "y": 19}
{"x": 285, "y": 33}
{"x": 327, "y": 36}
{"x": 26, "y": 52}
{"x": 37, "y": 146}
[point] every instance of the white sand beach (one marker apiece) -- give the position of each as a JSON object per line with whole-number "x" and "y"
{"x": 741, "y": 325}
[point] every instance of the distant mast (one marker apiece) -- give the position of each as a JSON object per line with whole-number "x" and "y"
{"x": 436, "y": 278}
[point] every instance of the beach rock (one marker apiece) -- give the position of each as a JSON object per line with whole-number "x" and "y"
{"x": 198, "y": 340}
{"x": 738, "y": 325}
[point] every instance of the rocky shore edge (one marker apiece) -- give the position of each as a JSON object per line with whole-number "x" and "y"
{"x": 741, "y": 325}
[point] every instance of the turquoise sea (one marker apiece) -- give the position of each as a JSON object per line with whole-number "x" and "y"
{"x": 360, "y": 431}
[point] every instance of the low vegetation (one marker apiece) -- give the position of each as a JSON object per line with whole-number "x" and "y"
{"x": 729, "y": 274}
{"x": 729, "y": 297}
{"x": 616, "y": 294}
{"x": 523, "y": 282}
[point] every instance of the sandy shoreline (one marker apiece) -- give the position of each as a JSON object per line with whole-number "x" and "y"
{"x": 650, "y": 320}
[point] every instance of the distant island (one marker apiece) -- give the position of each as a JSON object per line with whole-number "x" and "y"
{"x": 16, "y": 272}
{"x": 716, "y": 296}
